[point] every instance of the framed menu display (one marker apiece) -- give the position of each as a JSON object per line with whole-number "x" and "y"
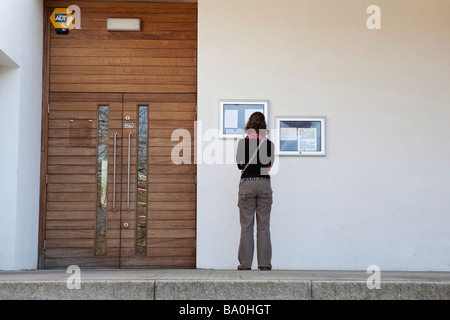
{"x": 301, "y": 136}
{"x": 234, "y": 115}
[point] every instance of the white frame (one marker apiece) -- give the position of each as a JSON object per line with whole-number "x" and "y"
{"x": 322, "y": 152}
{"x": 241, "y": 104}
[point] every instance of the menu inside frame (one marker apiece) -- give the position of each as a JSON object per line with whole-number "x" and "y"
{"x": 301, "y": 136}
{"x": 235, "y": 114}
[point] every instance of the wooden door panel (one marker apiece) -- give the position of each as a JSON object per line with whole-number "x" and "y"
{"x": 91, "y": 67}
{"x": 171, "y": 190}
{"x": 170, "y": 225}
{"x": 72, "y": 191}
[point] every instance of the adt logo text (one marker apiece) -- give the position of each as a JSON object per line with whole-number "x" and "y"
{"x": 60, "y": 17}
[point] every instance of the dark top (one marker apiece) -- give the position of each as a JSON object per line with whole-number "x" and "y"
{"x": 262, "y": 162}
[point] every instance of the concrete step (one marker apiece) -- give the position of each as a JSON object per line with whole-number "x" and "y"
{"x": 204, "y": 284}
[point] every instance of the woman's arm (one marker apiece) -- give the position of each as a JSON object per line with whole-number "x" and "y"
{"x": 240, "y": 155}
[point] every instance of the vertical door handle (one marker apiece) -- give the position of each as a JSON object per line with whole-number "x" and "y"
{"x": 114, "y": 176}
{"x": 129, "y": 157}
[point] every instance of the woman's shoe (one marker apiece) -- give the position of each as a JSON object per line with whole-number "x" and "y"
{"x": 243, "y": 268}
{"x": 265, "y": 268}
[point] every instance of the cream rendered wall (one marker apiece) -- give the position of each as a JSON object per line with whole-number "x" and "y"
{"x": 20, "y": 131}
{"x": 381, "y": 194}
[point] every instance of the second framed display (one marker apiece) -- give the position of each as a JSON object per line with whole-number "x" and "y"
{"x": 301, "y": 136}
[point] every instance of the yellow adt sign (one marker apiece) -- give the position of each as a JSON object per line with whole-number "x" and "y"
{"x": 61, "y": 19}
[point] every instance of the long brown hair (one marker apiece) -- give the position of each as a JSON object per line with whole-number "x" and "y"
{"x": 257, "y": 122}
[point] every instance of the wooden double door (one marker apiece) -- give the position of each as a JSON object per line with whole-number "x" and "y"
{"x": 115, "y": 197}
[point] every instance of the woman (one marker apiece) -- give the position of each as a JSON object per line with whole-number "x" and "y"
{"x": 254, "y": 157}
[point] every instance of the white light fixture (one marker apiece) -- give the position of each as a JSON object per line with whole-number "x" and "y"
{"x": 123, "y": 24}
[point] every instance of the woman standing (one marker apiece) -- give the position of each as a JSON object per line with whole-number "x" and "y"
{"x": 254, "y": 157}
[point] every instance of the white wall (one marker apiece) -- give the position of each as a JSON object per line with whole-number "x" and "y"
{"x": 20, "y": 131}
{"x": 381, "y": 194}
{"x": 9, "y": 133}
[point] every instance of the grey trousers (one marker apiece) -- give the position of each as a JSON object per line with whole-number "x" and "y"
{"x": 255, "y": 198}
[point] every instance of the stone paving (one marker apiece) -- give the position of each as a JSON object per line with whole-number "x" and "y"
{"x": 208, "y": 284}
